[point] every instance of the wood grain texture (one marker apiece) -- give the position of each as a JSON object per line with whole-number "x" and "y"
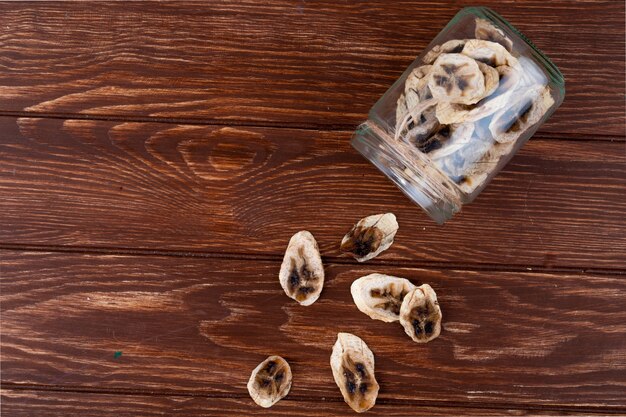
{"x": 280, "y": 62}
{"x": 206, "y": 189}
{"x": 199, "y": 326}
{"x": 18, "y": 403}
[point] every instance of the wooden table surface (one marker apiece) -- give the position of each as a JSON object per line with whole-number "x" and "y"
{"x": 155, "y": 159}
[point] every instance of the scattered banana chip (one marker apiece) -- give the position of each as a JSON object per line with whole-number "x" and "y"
{"x": 302, "y": 273}
{"x": 380, "y": 296}
{"x": 270, "y": 381}
{"x": 370, "y": 236}
{"x": 420, "y": 314}
{"x": 352, "y": 363}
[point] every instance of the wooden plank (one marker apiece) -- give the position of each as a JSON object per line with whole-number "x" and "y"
{"x": 29, "y": 403}
{"x": 198, "y": 326}
{"x": 223, "y": 190}
{"x": 280, "y": 62}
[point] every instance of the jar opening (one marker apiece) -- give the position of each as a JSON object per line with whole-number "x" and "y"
{"x": 433, "y": 192}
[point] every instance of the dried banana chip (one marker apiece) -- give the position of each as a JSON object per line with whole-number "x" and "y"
{"x": 492, "y": 78}
{"x": 469, "y": 184}
{"x": 380, "y": 296}
{"x": 420, "y": 135}
{"x": 401, "y": 110}
{"x": 456, "y": 78}
{"x": 420, "y": 314}
{"x": 270, "y": 381}
{"x": 490, "y": 53}
{"x": 453, "y": 138}
{"x": 370, "y": 236}
{"x": 416, "y": 86}
{"x": 448, "y": 113}
{"x": 453, "y": 46}
{"x": 487, "y": 31}
{"x": 508, "y": 124}
{"x": 416, "y": 90}
{"x": 352, "y": 363}
{"x": 302, "y": 273}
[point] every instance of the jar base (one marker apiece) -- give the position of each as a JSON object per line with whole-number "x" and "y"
{"x": 436, "y": 197}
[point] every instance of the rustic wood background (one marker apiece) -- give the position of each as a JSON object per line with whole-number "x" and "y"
{"x": 155, "y": 158}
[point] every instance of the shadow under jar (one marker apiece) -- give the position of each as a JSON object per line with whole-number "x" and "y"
{"x": 460, "y": 111}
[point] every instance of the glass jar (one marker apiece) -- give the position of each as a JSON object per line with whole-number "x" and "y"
{"x": 460, "y": 111}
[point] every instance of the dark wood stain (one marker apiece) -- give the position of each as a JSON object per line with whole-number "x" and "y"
{"x": 552, "y": 339}
{"x": 147, "y": 185}
{"x": 280, "y": 62}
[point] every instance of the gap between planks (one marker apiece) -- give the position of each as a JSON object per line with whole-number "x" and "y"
{"x": 259, "y": 124}
{"x": 268, "y": 257}
{"x": 602, "y": 410}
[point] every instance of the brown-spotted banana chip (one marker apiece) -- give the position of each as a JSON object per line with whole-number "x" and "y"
{"x": 445, "y": 111}
{"x": 487, "y": 31}
{"x": 469, "y": 184}
{"x": 448, "y": 113}
{"x": 380, "y": 296}
{"x": 456, "y": 78}
{"x": 416, "y": 86}
{"x": 401, "y": 110}
{"x": 508, "y": 124}
{"x": 490, "y": 53}
{"x": 453, "y": 46}
{"x": 270, "y": 381}
{"x": 452, "y": 139}
{"x": 416, "y": 90}
{"x": 492, "y": 78}
{"x": 370, "y": 236}
{"x": 302, "y": 273}
{"x": 420, "y": 314}
{"x": 352, "y": 363}
{"x": 420, "y": 135}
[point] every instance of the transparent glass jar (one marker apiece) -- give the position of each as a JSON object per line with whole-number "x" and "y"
{"x": 460, "y": 111}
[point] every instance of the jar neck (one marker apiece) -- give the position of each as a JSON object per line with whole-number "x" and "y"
{"x": 410, "y": 170}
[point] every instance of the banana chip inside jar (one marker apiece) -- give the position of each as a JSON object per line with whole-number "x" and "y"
{"x": 456, "y": 78}
{"x": 270, "y": 381}
{"x": 508, "y": 124}
{"x": 453, "y": 46}
{"x": 380, "y": 296}
{"x": 420, "y": 314}
{"x": 352, "y": 363}
{"x": 485, "y": 30}
{"x": 416, "y": 86}
{"x": 370, "y": 236}
{"x": 490, "y": 53}
{"x": 302, "y": 273}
